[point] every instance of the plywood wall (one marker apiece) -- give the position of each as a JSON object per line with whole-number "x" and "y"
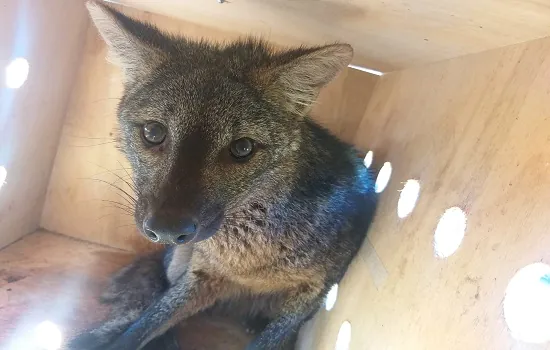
{"x": 387, "y": 35}
{"x": 475, "y": 131}
{"x": 79, "y": 201}
{"x": 49, "y": 35}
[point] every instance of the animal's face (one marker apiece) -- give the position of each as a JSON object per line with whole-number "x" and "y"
{"x": 200, "y": 144}
{"x": 209, "y": 128}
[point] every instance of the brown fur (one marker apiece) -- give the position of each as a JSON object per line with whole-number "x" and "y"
{"x": 263, "y": 238}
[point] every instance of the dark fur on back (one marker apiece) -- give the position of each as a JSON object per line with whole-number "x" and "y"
{"x": 271, "y": 234}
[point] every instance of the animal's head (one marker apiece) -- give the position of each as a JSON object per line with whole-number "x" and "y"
{"x": 206, "y": 127}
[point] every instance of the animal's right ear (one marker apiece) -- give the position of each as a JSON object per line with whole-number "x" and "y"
{"x": 296, "y": 84}
{"x": 134, "y": 46}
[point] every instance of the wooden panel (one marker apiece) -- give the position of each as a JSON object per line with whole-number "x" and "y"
{"x": 49, "y": 277}
{"x": 474, "y": 132}
{"x": 387, "y": 35}
{"x": 49, "y": 35}
{"x": 87, "y": 159}
{"x": 342, "y": 103}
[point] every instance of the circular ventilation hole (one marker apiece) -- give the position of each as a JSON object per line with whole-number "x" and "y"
{"x": 527, "y": 304}
{"x": 408, "y": 198}
{"x": 331, "y": 297}
{"x": 16, "y": 73}
{"x": 48, "y": 336}
{"x": 449, "y": 232}
{"x": 344, "y": 337}
{"x": 3, "y": 176}
{"x": 368, "y": 159}
{"x": 383, "y": 178}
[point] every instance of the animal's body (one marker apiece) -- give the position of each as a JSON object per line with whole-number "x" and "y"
{"x": 262, "y": 209}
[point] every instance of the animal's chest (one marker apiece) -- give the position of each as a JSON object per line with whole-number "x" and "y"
{"x": 260, "y": 268}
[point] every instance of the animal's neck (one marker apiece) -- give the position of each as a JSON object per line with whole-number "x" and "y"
{"x": 309, "y": 209}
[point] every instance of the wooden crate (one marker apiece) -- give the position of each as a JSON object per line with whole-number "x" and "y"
{"x": 462, "y": 107}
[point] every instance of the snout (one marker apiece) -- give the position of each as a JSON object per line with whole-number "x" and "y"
{"x": 165, "y": 230}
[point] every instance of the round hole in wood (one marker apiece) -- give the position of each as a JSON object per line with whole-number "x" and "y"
{"x": 527, "y": 304}
{"x": 344, "y": 336}
{"x": 3, "y": 176}
{"x": 383, "y": 178}
{"x": 368, "y": 159}
{"x": 48, "y": 336}
{"x": 16, "y": 73}
{"x": 331, "y": 297}
{"x": 408, "y": 198}
{"x": 449, "y": 232}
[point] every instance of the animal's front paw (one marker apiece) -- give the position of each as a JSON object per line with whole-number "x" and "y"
{"x": 118, "y": 286}
{"x": 131, "y": 340}
{"x": 121, "y": 343}
{"x": 167, "y": 341}
{"x": 86, "y": 341}
{"x": 136, "y": 284}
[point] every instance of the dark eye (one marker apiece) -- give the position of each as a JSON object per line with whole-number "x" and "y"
{"x": 154, "y": 133}
{"x": 242, "y": 148}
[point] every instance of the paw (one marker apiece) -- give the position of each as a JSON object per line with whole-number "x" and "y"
{"x": 121, "y": 343}
{"x": 91, "y": 341}
{"x": 86, "y": 341}
{"x": 132, "y": 340}
{"x": 167, "y": 341}
{"x": 136, "y": 284}
{"x": 117, "y": 286}
{"x": 98, "y": 338}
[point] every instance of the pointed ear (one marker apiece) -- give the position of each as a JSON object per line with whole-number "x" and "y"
{"x": 134, "y": 46}
{"x": 298, "y": 82}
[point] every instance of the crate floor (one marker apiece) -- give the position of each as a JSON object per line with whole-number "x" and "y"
{"x": 48, "y": 279}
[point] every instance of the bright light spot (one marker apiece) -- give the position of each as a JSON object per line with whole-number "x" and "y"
{"x": 368, "y": 159}
{"x": 449, "y": 232}
{"x": 527, "y": 304}
{"x": 48, "y": 336}
{"x": 344, "y": 337}
{"x": 331, "y": 297}
{"x": 407, "y": 199}
{"x": 16, "y": 73}
{"x": 383, "y": 178}
{"x": 366, "y": 70}
{"x": 3, "y": 176}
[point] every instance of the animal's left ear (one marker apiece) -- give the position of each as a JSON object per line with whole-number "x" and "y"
{"x": 297, "y": 83}
{"x": 135, "y": 46}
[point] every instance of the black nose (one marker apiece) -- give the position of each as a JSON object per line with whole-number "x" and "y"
{"x": 169, "y": 230}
